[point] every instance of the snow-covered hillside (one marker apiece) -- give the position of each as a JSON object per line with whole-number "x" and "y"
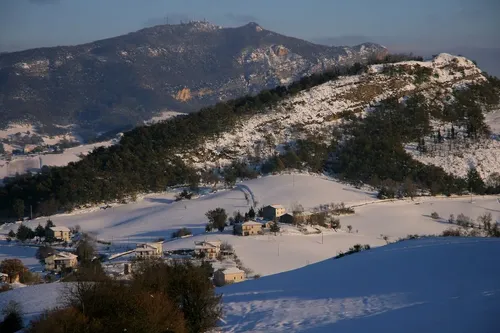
{"x": 428, "y": 285}
{"x": 436, "y": 285}
{"x": 157, "y": 216}
{"x": 313, "y": 112}
{"x": 23, "y": 164}
{"x": 457, "y": 160}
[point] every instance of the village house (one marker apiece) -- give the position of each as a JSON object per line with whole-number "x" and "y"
{"x": 286, "y": 218}
{"x": 59, "y": 261}
{"x": 210, "y": 249}
{"x": 61, "y": 233}
{"x": 149, "y": 250}
{"x": 228, "y": 275}
{"x": 266, "y": 224}
{"x": 273, "y": 212}
{"x": 3, "y": 277}
{"x": 248, "y": 228}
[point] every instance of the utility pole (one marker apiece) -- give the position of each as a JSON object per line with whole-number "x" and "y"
{"x": 278, "y": 248}
{"x": 321, "y": 237}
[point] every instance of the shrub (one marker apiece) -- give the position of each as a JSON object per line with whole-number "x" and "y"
{"x": 182, "y": 232}
{"x": 225, "y": 246}
{"x": 435, "y": 215}
{"x": 217, "y": 218}
{"x": 12, "y": 321}
{"x": 451, "y": 233}
{"x": 464, "y": 221}
{"x": 188, "y": 287}
{"x": 335, "y": 224}
{"x": 341, "y": 209}
{"x": 100, "y": 307}
{"x": 29, "y": 277}
{"x": 184, "y": 195}
{"x": 257, "y": 276}
{"x": 349, "y": 228}
{"x": 356, "y": 248}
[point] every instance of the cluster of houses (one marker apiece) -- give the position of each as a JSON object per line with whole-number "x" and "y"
{"x": 210, "y": 250}
{"x": 270, "y": 214}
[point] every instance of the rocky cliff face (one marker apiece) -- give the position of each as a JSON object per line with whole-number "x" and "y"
{"x": 122, "y": 81}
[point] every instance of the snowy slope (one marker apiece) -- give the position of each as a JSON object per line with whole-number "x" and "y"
{"x": 23, "y": 164}
{"x": 313, "y": 112}
{"x": 431, "y": 285}
{"x": 35, "y": 299}
{"x": 441, "y": 285}
{"x": 158, "y": 216}
{"x": 457, "y": 160}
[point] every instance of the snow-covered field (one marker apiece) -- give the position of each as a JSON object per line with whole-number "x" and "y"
{"x": 428, "y": 285}
{"x": 23, "y": 164}
{"x": 158, "y": 215}
{"x": 447, "y": 285}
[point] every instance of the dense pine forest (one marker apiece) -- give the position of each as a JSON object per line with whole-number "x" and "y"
{"x": 368, "y": 150}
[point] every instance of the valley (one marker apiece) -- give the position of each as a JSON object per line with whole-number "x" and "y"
{"x": 200, "y": 178}
{"x": 297, "y": 288}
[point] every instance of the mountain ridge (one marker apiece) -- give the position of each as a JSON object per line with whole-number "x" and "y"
{"x": 125, "y": 80}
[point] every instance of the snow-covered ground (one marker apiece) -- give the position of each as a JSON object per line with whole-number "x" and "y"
{"x": 458, "y": 159}
{"x": 158, "y": 215}
{"x": 435, "y": 285}
{"x": 165, "y": 115}
{"x": 428, "y": 285}
{"x": 23, "y": 164}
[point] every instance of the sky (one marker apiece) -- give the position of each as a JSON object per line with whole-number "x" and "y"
{"x": 420, "y": 23}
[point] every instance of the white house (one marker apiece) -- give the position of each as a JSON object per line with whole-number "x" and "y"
{"x": 210, "y": 249}
{"x": 60, "y": 261}
{"x": 149, "y": 250}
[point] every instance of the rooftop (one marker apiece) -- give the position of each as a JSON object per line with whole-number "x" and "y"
{"x": 60, "y": 229}
{"x": 232, "y": 270}
{"x": 252, "y": 223}
{"x": 277, "y": 206}
{"x": 64, "y": 255}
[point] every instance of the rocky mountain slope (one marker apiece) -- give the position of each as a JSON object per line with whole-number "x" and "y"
{"x": 122, "y": 81}
{"x": 313, "y": 113}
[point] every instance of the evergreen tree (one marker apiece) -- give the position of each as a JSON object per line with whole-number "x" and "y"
{"x": 12, "y": 234}
{"x": 439, "y": 136}
{"x": 24, "y": 233}
{"x": 251, "y": 213}
{"x": 18, "y": 208}
{"x": 275, "y": 227}
{"x": 40, "y": 231}
{"x": 475, "y": 182}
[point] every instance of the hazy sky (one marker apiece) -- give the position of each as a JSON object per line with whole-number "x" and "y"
{"x": 422, "y": 23}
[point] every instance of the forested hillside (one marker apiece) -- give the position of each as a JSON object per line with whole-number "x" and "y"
{"x": 362, "y": 142}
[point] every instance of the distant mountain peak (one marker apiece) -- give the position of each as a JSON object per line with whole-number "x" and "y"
{"x": 255, "y": 26}
{"x": 123, "y": 81}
